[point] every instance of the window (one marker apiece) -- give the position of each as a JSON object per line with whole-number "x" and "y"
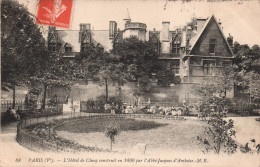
{"x": 175, "y": 67}
{"x": 52, "y": 47}
{"x": 208, "y": 67}
{"x": 176, "y": 44}
{"x": 212, "y": 44}
{"x": 176, "y": 48}
{"x": 68, "y": 49}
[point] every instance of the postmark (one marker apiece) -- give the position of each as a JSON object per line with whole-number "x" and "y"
{"x": 54, "y": 12}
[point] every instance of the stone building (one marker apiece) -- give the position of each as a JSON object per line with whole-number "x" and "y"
{"x": 192, "y": 53}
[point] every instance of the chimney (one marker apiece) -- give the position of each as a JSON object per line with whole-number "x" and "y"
{"x": 165, "y": 45}
{"x": 165, "y": 31}
{"x": 52, "y": 28}
{"x": 112, "y": 29}
{"x": 200, "y": 23}
{"x": 84, "y": 26}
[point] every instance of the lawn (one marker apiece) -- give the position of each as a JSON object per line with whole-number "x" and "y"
{"x": 98, "y": 124}
{"x": 162, "y": 135}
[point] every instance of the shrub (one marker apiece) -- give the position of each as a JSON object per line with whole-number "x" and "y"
{"x": 111, "y": 131}
{"x": 219, "y": 133}
{"x": 31, "y": 99}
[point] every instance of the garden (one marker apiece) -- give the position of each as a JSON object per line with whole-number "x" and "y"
{"x": 119, "y": 133}
{"x": 158, "y": 135}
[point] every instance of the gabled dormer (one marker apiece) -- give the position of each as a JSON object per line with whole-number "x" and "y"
{"x": 210, "y": 41}
{"x": 84, "y": 36}
{"x": 53, "y": 39}
{"x": 176, "y": 43}
{"x": 68, "y": 48}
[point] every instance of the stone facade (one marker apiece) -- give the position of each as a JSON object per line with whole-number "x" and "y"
{"x": 192, "y": 53}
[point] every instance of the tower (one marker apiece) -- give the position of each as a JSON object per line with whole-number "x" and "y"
{"x": 134, "y": 28}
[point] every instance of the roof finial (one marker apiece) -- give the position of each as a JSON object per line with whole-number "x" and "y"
{"x": 127, "y": 16}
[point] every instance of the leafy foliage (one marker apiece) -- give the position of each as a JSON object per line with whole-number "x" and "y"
{"x": 219, "y": 133}
{"x": 165, "y": 77}
{"x": 246, "y": 58}
{"x": 247, "y": 67}
{"x": 213, "y": 108}
{"x": 31, "y": 99}
{"x": 139, "y": 57}
{"x": 111, "y": 131}
{"x": 55, "y": 72}
{"x": 23, "y": 47}
{"x": 218, "y": 85}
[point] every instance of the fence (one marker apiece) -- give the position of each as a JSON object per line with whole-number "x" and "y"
{"x": 34, "y": 142}
{"x": 39, "y": 144}
{"x": 5, "y": 104}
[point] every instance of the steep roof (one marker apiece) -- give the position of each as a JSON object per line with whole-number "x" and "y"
{"x": 195, "y": 39}
{"x": 70, "y": 37}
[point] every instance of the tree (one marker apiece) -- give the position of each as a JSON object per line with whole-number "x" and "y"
{"x": 23, "y": 50}
{"x": 247, "y": 67}
{"x": 114, "y": 74}
{"x": 111, "y": 131}
{"x": 217, "y": 85}
{"x": 102, "y": 67}
{"x": 139, "y": 57}
{"x": 250, "y": 82}
{"x": 55, "y": 72}
{"x": 165, "y": 77}
{"x": 213, "y": 107}
{"x": 246, "y": 58}
{"x": 219, "y": 133}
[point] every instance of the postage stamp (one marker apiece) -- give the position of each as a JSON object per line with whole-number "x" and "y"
{"x": 54, "y": 12}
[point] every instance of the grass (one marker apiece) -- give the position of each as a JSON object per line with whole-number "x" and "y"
{"x": 97, "y": 125}
{"x": 160, "y": 135}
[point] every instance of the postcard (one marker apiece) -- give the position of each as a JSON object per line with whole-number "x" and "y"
{"x": 130, "y": 83}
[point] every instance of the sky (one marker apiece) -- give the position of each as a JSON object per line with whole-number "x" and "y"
{"x": 239, "y": 18}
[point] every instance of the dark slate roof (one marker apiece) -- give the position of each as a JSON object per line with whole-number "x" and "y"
{"x": 70, "y": 37}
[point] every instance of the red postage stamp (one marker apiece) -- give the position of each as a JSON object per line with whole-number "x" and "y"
{"x": 54, "y": 12}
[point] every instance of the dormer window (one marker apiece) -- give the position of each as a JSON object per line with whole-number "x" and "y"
{"x": 212, "y": 45}
{"x": 52, "y": 47}
{"x": 68, "y": 48}
{"x": 176, "y": 45}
